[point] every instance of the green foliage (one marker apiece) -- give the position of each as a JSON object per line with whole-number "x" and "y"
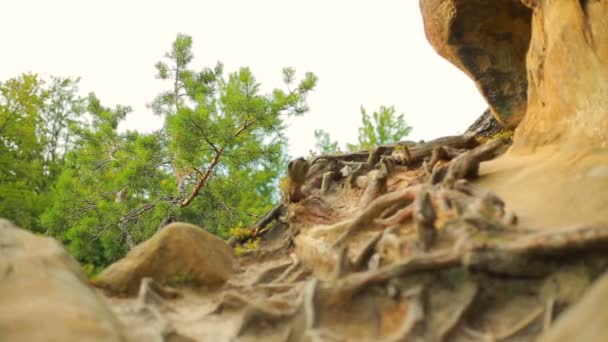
{"x": 86, "y": 212}
{"x": 382, "y": 127}
{"x": 21, "y": 166}
{"x": 215, "y": 163}
{"x": 35, "y": 134}
{"x": 323, "y": 143}
{"x": 249, "y": 245}
{"x": 240, "y": 232}
{"x": 503, "y": 134}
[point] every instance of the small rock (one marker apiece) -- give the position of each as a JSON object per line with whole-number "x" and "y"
{"x": 180, "y": 253}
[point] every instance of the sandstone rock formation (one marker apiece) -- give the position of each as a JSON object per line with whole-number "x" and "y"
{"x": 488, "y": 41}
{"x": 560, "y": 148}
{"x": 179, "y": 253}
{"x": 44, "y": 294}
{"x": 568, "y": 76}
{"x": 540, "y": 61}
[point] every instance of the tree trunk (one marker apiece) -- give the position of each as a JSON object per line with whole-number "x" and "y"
{"x": 486, "y": 125}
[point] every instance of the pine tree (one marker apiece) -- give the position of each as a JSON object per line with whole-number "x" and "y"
{"x": 213, "y": 163}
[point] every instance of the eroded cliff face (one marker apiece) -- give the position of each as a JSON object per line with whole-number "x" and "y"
{"x": 556, "y": 173}
{"x": 488, "y": 41}
{"x": 568, "y": 76}
{"x": 542, "y": 65}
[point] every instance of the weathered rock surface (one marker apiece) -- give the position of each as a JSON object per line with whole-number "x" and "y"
{"x": 544, "y": 62}
{"x": 568, "y": 76}
{"x": 45, "y": 296}
{"x": 179, "y": 253}
{"x": 488, "y": 41}
{"x": 586, "y": 321}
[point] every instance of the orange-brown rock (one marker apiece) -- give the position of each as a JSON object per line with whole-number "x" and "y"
{"x": 567, "y": 75}
{"x": 179, "y": 253}
{"x": 560, "y": 148}
{"x": 45, "y": 296}
{"x": 488, "y": 41}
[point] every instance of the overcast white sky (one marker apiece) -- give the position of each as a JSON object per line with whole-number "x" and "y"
{"x": 368, "y": 53}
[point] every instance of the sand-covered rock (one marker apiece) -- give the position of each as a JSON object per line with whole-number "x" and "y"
{"x": 179, "y": 253}
{"x": 45, "y": 296}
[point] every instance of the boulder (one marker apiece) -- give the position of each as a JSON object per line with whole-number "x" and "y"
{"x": 178, "y": 253}
{"x": 44, "y": 294}
{"x": 488, "y": 41}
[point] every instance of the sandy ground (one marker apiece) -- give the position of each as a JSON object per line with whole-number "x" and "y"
{"x": 190, "y": 316}
{"x": 552, "y": 188}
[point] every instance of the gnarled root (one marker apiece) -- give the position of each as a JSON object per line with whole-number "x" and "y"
{"x": 151, "y": 292}
{"x": 424, "y": 219}
{"x": 466, "y": 165}
{"x": 297, "y": 170}
{"x": 413, "y": 316}
{"x": 375, "y": 187}
{"x": 374, "y": 209}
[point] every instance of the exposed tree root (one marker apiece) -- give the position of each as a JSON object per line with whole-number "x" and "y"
{"x": 521, "y": 325}
{"x": 343, "y": 289}
{"x": 323, "y": 335}
{"x": 271, "y": 273}
{"x": 374, "y": 209}
{"x": 413, "y": 316}
{"x": 295, "y": 263}
{"x": 517, "y": 256}
{"x": 297, "y": 171}
{"x": 346, "y": 287}
{"x": 424, "y": 219}
{"x": 517, "y": 328}
{"x": 463, "y": 232}
{"x": 548, "y": 319}
{"x": 376, "y": 154}
{"x": 467, "y": 296}
{"x": 328, "y": 177}
{"x": 151, "y": 292}
{"x": 466, "y": 165}
{"x": 354, "y": 173}
{"x": 443, "y": 153}
{"x": 375, "y": 187}
{"x": 397, "y": 218}
{"x": 362, "y": 259}
{"x": 308, "y": 303}
{"x": 272, "y": 215}
{"x": 257, "y": 313}
{"x": 230, "y": 301}
{"x": 418, "y": 152}
{"x": 478, "y": 335}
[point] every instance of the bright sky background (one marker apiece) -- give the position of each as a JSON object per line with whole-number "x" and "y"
{"x": 368, "y": 53}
